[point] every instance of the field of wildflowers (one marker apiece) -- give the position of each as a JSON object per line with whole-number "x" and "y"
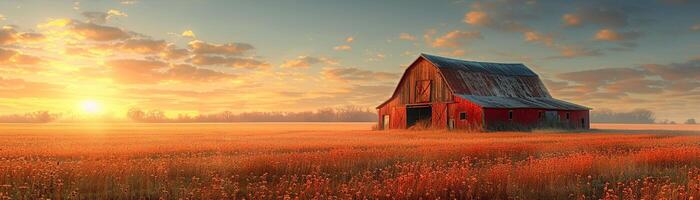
{"x": 343, "y": 161}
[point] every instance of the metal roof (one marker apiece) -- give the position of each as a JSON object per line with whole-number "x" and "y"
{"x": 507, "y": 69}
{"x": 489, "y": 79}
{"x": 517, "y": 102}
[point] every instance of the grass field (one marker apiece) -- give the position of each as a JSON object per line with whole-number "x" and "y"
{"x": 325, "y": 161}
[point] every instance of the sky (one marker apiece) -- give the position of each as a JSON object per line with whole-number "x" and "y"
{"x": 196, "y": 56}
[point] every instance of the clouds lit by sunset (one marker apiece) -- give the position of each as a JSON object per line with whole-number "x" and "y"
{"x": 104, "y": 57}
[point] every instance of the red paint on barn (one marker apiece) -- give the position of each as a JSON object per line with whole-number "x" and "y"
{"x": 461, "y": 94}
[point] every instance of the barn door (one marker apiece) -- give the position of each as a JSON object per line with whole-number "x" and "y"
{"x": 551, "y": 116}
{"x": 423, "y": 89}
{"x": 385, "y": 122}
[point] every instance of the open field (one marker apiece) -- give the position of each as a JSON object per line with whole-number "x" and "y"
{"x": 288, "y": 160}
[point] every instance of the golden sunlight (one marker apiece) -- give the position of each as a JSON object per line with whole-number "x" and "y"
{"x": 91, "y": 106}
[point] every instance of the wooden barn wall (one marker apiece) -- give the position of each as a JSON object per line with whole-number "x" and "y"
{"x": 474, "y": 113}
{"x": 497, "y": 118}
{"x": 575, "y": 117}
{"x": 423, "y": 70}
{"x": 439, "y": 115}
{"x": 396, "y": 112}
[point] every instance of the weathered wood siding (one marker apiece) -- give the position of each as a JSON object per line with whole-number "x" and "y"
{"x": 396, "y": 112}
{"x": 439, "y": 115}
{"x": 474, "y": 120}
{"x": 498, "y": 118}
{"x": 422, "y": 70}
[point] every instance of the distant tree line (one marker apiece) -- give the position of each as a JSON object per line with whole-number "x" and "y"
{"x": 30, "y": 117}
{"x": 341, "y": 114}
{"x": 637, "y": 116}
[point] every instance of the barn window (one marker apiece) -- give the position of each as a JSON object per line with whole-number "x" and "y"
{"x": 510, "y": 115}
{"x": 567, "y": 116}
{"x": 462, "y": 116}
{"x": 540, "y": 115}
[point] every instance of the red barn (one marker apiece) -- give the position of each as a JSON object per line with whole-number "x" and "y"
{"x": 458, "y": 94}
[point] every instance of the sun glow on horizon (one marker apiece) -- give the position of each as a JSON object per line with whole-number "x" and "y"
{"x": 90, "y": 106}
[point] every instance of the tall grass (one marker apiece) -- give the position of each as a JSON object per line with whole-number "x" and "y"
{"x": 251, "y": 161}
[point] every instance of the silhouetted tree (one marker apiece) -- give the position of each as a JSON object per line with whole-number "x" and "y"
{"x": 340, "y": 114}
{"x": 136, "y": 114}
{"x": 690, "y": 121}
{"x": 30, "y": 117}
{"x": 637, "y": 116}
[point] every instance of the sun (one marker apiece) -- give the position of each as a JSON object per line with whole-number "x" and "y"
{"x": 90, "y": 106}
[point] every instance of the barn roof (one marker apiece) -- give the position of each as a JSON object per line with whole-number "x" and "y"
{"x": 505, "y": 69}
{"x": 489, "y": 79}
{"x": 515, "y": 102}
{"x": 495, "y": 85}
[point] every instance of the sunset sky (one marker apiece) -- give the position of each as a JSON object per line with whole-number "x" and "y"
{"x": 197, "y": 56}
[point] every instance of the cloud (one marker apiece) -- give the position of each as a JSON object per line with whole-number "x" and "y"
{"x": 62, "y": 22}
{"x": 598, "y": 77}
{"x": 14, "y": 59}
{"x": 189, "y": 73}
{"x": 637, "y": 86}
{"x": 342, "y": 48}
{"x": 102, "y": 17}
{"x": 676, "y": 71}
{"x": 674, "y": 80}
{"x": 113, "y": 12}
{"x": 574, "y": 51}
{"x": 611, "y": 35}
{"x": 200, "y": 47}
{"x": 188, "y": 34}
{"x": 533, "y": 36}
{"x": 20, "y": 88}
{"x": 453, "y": 39}
{"x": 141, "y": 46}
{"x": 2, "y": 17}
{"x": 376, "y": 57}
{"x": 95, "y": 17}
{"x": 479, "y": 18}
{"x": 96, "y": 32}
{"x": 504, "y": 15}
{"x": 306, "y": 62}
{"x": 235, "y": 62}
{"x": 602, "y": 15}
{"x": 30, "y": 37}
{"x": 173, "y": 53}
{"x": 128, "y": 2}
{"x": 695, "y": 27}
{"x": 8, "y": 35}
{"x": 407, "y": 36}
{"x": 355, "y": 74}
{"x": 134, "y": 71}
{"x": 349, "y": 39}
{"x": 571, "y": 20}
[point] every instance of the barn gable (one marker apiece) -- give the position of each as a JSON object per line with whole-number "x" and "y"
{"x": 422, "y": 82}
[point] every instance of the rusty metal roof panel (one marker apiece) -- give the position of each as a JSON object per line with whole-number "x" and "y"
{"x": 507, "y": 69}
{"x": 518, "y": 102}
